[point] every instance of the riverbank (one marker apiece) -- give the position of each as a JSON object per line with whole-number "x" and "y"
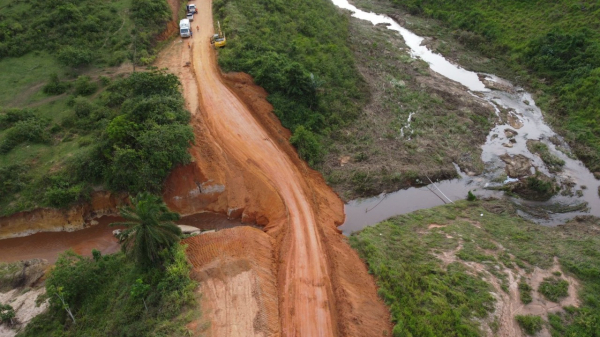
{"x": 416, "y": 125}
{"x": 521, "y": 154}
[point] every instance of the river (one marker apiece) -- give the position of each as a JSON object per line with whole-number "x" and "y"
{"x": 524, "y": 118}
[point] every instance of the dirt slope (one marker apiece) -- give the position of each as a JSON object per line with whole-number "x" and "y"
{"x": 235, "y": 269}
{"x": 245, "y": 167}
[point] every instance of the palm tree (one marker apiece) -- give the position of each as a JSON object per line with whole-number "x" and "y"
{"x": 149, "y": 229}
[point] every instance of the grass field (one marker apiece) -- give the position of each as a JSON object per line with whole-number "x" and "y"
{"x": 431, "y": 294}
{"x": 53, "y": 110}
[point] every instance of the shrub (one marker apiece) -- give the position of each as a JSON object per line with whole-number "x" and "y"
{"x": 98, "y": 292}
{"x": 471, "y": 196}
{"x": 84, "y": 86}
{"x": 55, "y": 86}
{"x": 11, "y": 116}
{"x": 531, "y": 324}
{"x": 308, "y": 145}
{"x": 12, "y": 179}
{"x": 62, "y": 197}
{"x": 554, "y": 289}
{"x": 7, "y": 314}
{"x": 74, "y": 56}
{"x": 32, "y": 130}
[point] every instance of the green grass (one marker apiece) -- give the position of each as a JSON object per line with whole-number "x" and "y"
{"x": 525, "y": 292}
{"x": 100, "y": 293}
{"x": 18, "y": 74}
{"x": 531, "y": 324}
{"x": 401, "y": 252}
{"x": 554, "y": 289}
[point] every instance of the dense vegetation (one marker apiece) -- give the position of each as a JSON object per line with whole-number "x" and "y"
{"x": 127, "y": 139}
{"x": 558, "y": 42}
{"x": 109, "y": 296}
{"x": 429, "y": 299}
{"x": 82, "y": 32}
{"x": 297, "y": 51}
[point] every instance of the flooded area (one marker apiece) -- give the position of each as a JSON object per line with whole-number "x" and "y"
{"x": 519, "y": 121}
{"x": 48, "y": 245}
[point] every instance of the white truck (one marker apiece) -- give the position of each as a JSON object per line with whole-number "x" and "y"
{"x": 185, "y": 30}
{"x": 191, "y": 8}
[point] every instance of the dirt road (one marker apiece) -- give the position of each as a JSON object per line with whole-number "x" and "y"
{"x": 307, "y": 284}
{"x": 245, "y": 167}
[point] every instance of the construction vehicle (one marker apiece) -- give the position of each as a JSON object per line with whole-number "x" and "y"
{"x": 218, "y": 40}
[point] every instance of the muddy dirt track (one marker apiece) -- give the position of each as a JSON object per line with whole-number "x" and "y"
{"x": 244, "y": 167}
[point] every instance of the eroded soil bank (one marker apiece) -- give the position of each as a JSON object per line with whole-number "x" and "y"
{"x": 57, "y": 220}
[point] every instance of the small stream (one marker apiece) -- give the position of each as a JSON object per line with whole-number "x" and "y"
{"x": 523, "y": 118}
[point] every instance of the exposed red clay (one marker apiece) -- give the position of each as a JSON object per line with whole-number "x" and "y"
{"x": 245, "y": 167}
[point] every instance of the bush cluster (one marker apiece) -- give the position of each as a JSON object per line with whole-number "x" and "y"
{"x": 26, "y": 127}
{"x": 104, "y": 296}
{"x": 55, "y": 86}
{"x": 554, "y": 288}
{"x": 82, "y": 32}
{"x": 130, "y": 139}
{"x": 298, "y": 52}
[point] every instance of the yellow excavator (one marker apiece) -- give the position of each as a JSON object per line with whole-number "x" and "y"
{"x": 218, "y": 40}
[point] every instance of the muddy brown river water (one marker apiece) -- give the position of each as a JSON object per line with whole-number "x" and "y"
{"x": 48, "y": 245}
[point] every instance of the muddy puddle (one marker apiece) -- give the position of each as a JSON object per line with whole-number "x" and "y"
{"x": 48, "y": 245}
{"x": 519, "y": 121}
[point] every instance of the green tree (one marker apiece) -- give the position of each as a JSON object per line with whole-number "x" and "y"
{"x": 149, "y": 229}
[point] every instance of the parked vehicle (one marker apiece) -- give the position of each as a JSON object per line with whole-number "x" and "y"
{"x": 185, "y": 30}
{"x": 190, "y": 16}
{"x": 191, "y": 8}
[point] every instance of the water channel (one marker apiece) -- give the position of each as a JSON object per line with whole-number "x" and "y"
{"x": 524, "y": 118}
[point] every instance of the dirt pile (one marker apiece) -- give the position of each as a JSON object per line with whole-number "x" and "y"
{"x": 245, "y": 167}
{"x": 235, "y": 268}
{"x": 56, "y": 220}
